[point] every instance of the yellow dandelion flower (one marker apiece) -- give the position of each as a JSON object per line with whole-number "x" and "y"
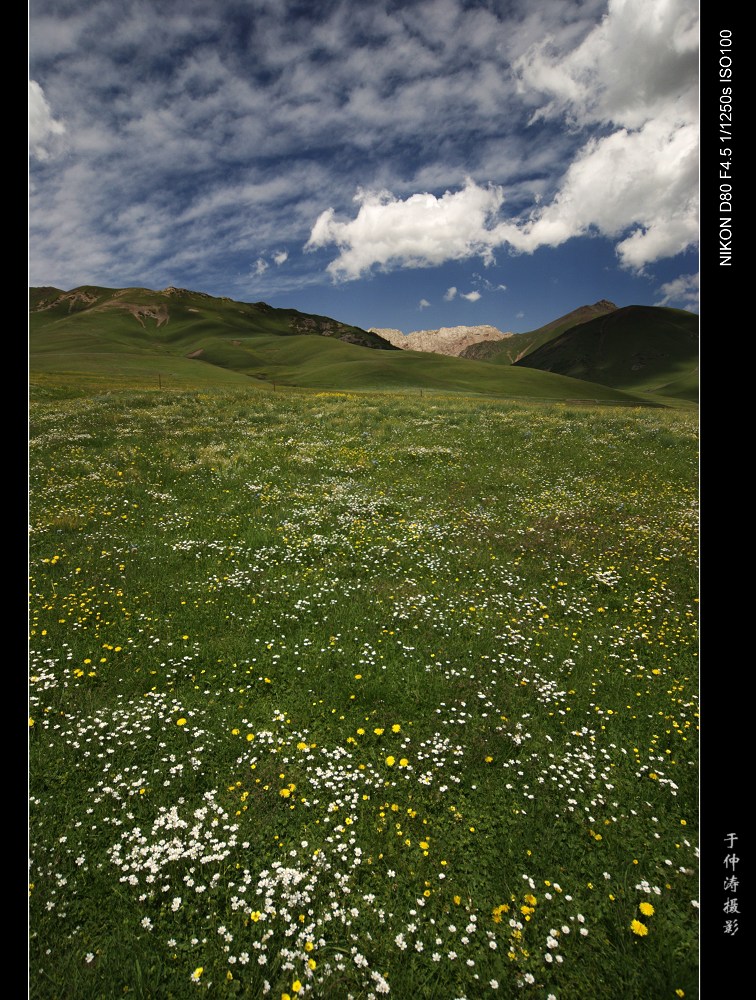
{"x": 198, "y": 972}
{"x": 296, "y": 986}
{"x": 390, "y": 761}
{"x": 403, "y": 762}
{"x": 646, "y": 909}
{"x": 378, "y": 732}
{"x": 396, "y": 728}
{"x": 638, "y": 928}
{"x": 181, "y": 721}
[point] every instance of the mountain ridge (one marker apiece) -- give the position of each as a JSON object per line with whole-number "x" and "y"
{"x": 522, "y": 344}
{"x": 647, "y": 348}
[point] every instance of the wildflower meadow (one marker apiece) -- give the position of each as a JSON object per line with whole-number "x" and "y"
{"x": 351, "y": 695}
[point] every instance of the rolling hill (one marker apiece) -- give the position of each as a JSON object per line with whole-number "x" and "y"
{"x": 637, "y": 348}
{"x": 180, "y": 337}
{"x": 520, "y": 345}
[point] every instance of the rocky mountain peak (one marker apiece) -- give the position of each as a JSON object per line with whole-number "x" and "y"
{"x": 449, "y": 340}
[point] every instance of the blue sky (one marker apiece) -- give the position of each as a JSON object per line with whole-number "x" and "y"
{"x": 407, "y": 164}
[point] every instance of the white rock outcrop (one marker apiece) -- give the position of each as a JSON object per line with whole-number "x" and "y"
{"x": 450, "y": 340}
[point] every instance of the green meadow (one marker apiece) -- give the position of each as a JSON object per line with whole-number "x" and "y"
{"x": 359, "y": 694}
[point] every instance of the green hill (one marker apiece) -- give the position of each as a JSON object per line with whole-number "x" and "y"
{"x": 180, "y": 337}
{"x": 638, "y": 348}
{"x": 520, "y": 345}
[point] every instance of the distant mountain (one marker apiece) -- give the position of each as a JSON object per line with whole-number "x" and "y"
{"x": 449, "y": 340}
{"x": 647, "y": 348}
{"x": 521, "y": 344}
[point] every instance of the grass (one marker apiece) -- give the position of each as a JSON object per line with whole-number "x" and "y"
{"x": 339, "y": 695}
{"x": 638, "y": 348}
{"x": 520, "y": 345}
{"x": 139, "y": 335}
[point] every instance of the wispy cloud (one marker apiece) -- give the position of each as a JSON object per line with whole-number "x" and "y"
{"x": 450, "y": 293}
{"x": 179, "y": 142}
{"x": 681, "y": 292}
{"x": 423, "y": 304}
{"x": 43, "y": 127}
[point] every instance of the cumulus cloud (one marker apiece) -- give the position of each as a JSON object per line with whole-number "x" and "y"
{"x": 681, "y": 292}
{"x": 645, "y": 181}
{"x": 637, "y": 61}
{"x": 420, "y": 231}
{"x": 450, "y": 293}
{"x": 42, "y": 126}
{"x": 471, "y": 296}
{"x": 280, "y": 257}
{"x": 636, "y": 71}
{"x": 423, "y": 304}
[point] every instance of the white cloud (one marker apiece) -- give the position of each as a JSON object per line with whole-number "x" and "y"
{"x": 193, "y": 147}
{"x": 420, "y": 231}
{"x": 644, "y": 180}
{"x": 423, "y": 304}
{"x": 471, "y": 296}
{"x": 280, "y": 257}
{"x": 637, "y": 70}
{"x": 450, "y": 293}
{"x": 640, "y": 58}
{"x": 681, "y": 292}
{"x": 634, "y": 76}
{"x": 42, "y": 126}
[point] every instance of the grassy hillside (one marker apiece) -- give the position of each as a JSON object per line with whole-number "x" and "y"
{"x": 177, "y": 316}
{"x": 187, "y": 338}
{"x": 513, "y": 349}
{"x": 644, "y": 348}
